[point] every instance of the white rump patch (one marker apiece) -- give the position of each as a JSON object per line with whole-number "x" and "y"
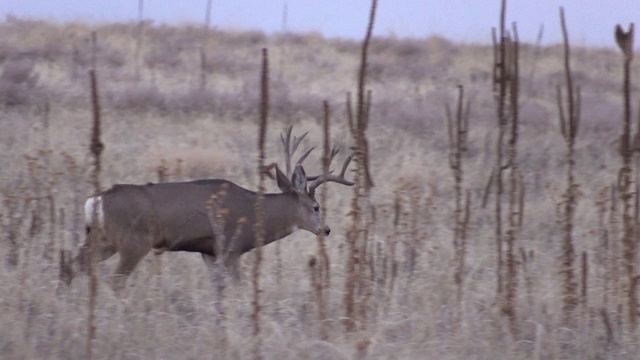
{"x": 92, "y": 206}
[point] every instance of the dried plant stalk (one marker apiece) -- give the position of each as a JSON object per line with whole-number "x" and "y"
{"x": 390, "y": 261}
{"x": 506, "y": 83}
{"x": 356, "y": 236}
{"x": 585, "y": 278}
{"x": 496, "y": 179}
{"x": 516, "y": 184}
{"x": 602, "y": 254}
{"x": 625, "y": 180}
{"x": 259, "y": 226}
{"x": 353, "y": 250}
{"x": 50, "y": 179}
{"x": 18, "y": 208}
{"x": 458, "y": 131}
{"x": 569, "y": 124}
{"x": 139, "y": 35}
{"x": 327, "y": 155}
{"x": 217, "y": 215}
{"x": 322, "y": 272}
{"x": 608, "y": 326}
{"x": 203, "y": 46}
{"x": 96, "y": 148}
{"x": 614, "y": 265}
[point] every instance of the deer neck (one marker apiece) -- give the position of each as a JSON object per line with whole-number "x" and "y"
{"x": 279, "y": 216}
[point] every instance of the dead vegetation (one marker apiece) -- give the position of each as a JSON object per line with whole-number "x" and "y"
{"x": 547, "y": 268}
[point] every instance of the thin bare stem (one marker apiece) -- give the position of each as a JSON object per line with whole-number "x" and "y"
{"x": 96, "y": 148}
{"x": 625, "y": 180}
{"x": 259, "y": 227}
{"x": 357, "y": 235}
{"x": 569, "y": 123}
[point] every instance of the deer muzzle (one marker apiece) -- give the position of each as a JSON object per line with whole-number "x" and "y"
{"x": 325, "y": 231}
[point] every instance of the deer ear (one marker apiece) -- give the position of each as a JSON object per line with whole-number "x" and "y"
{"x": 283, "y": 183}
{"x": 299, "y": 179}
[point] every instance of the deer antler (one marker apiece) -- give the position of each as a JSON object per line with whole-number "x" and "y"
{"x": 290, "y": 149}
{"x": 340, "y": 179}
{"x": 266, "y": 169}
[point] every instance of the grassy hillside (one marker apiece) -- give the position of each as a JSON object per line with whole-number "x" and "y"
{"x": 164, "y": 107}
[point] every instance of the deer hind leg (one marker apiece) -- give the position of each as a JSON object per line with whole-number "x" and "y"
{"x": 215, "y": 273}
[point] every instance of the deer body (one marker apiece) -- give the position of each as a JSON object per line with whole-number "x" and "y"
{"x": 176, "y": 216}
{"x": 131, "y": 220}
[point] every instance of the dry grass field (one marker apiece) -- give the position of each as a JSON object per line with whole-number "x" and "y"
{"x": 163, "y": 107}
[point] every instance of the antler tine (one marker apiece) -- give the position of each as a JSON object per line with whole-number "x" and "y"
{"x": 346, "y": 165}
{"x": 285, "y": 138}
{"x": 296, "y": 142}
{"x": 304, "y": 156}
{"x": 334, "y": 151}
{"x": 290, "y": 148}
{"x": 266, "y": 169}
{"x": 340, "y": 179}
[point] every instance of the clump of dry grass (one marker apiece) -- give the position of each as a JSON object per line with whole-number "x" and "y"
{"x": 18, "y": 83}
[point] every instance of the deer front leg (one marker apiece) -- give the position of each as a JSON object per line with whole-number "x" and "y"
{"x": 131, "y": 252}
{"x": 70, "y": 267}
{"x": 233, "y": 265}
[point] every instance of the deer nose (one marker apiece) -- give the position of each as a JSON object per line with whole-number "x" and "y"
{"x": 326, "y": 230}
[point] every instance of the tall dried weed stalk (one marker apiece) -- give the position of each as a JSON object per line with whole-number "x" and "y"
{"x": 506, "y": 83}
{"x": 569, "y": 116}
{"x": 603, "y": 257}
{"x": 260, "y": 211}
{"x": 96, "y": 149}
{"x": 49, "y": 179}
{"x": 73, "y": 176}
{"x": 457, "y": 128}
{"x": 628, "y": 189}
{"x": 322, "y": 278}
{"x": 139, "y": 36}
{"x": 357, "y": 285}
{"x": 203, "y": 46}
{"x": 217, "y": 215}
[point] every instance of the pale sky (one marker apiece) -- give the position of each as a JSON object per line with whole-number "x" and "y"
{"x": 590, "y": 22}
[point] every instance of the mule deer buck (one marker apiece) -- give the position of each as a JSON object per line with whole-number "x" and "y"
{"x": 131, "y": 220}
